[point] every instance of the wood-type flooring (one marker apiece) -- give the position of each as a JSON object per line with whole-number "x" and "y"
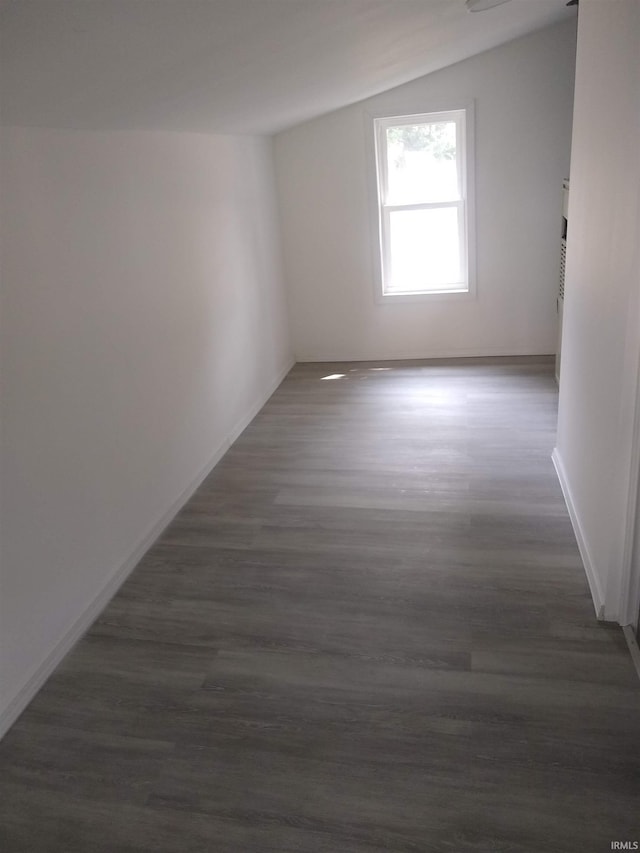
{"x": 369, "y": 630}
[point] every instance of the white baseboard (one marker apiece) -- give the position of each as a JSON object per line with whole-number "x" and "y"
{"x": 589, "y": 567}
{"x": 407, "y": 355}
{"x": 41, "y": 672}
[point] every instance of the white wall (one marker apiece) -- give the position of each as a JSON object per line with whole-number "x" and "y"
{"x": 143, "y": 323}
{"x": 523, "y": 104}
{"x": 595, "y": 451}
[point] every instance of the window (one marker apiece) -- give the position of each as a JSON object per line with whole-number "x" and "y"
{"x": 423, "y": 209}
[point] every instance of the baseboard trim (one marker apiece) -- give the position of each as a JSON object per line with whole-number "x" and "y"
{"x": 41, "y": 673}
{"x": 630, "y": 637}
{"x": 589, "y": 568}
{"x": 433, "y": 355}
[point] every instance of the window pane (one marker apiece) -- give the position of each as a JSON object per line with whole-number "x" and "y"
{"x": 422, "y": 163}
{"x": 424, "y": 250}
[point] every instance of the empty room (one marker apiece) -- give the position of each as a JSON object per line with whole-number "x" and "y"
{"x": 320, "y": 426}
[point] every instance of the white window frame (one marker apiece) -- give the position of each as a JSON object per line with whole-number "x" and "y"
{"x": 377, "y": 127}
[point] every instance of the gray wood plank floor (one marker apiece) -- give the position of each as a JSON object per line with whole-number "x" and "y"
{"x": 368, "y": 631}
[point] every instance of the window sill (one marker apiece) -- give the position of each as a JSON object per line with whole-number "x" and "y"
{"x": 430, "y": 296}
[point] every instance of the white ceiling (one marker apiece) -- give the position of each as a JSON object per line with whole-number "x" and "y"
{"x": 231, "y": 66}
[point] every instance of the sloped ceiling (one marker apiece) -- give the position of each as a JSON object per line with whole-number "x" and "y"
{"x": 231, "y": 66}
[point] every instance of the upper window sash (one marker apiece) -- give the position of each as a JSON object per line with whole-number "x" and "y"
{"x": 381, "y": 125}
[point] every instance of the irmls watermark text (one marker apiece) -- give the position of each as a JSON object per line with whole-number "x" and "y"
{"x": 625, "y": 845}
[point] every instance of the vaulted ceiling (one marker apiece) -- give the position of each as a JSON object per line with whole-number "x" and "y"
{"x": 231, "y": 66}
